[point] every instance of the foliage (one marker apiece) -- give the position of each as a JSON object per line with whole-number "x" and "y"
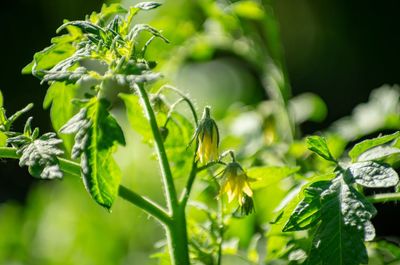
{"x": 278, "y": 185}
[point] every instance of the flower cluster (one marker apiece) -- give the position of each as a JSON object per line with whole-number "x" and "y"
{"x": 235, "y": 182}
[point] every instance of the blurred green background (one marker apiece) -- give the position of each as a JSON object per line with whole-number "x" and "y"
{"x": 340, "y": 50}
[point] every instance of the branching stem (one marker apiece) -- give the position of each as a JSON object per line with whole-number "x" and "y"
{"x": 74, "y": 169}
{"x": 176, "y": 231}
{"x": 184, "y": 97}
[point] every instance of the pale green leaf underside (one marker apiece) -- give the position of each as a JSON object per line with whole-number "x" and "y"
{"x": 379, "y": 153}
{"x": 40, "y": 156}
{"x": 360, "y": 148}
{"x": 374, "y": 175}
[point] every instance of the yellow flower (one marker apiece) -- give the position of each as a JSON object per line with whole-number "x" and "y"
{"x": 207, "y": 137}
{"x": 236, "y": 183}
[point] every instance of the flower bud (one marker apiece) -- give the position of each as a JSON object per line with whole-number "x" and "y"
{"x": 207, "y": 137}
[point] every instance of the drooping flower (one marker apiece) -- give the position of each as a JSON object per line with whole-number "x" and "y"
{"x": 235, "y": 183}
{"x": 207, "y": 137}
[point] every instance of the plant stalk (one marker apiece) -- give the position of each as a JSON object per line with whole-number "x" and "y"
{"x": 171, "y": 197}
{"x": 384, "y": 197}
{"x": 176, "y": 231}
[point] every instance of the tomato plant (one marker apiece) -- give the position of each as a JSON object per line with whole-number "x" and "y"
{"x": 316, "y": 187}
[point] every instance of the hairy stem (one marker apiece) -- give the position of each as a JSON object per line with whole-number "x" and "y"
{"x": 172, "y": 200}
{"x": 145, "y": 204}
{"x": 184, "y": 97}
{"x": 176, "y": 231}
{"x": 186, "y": 191}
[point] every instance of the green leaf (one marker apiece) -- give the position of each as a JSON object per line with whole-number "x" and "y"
{"x": 136, "y": 117}
{"x": 59, "y": 96}
{"x": 48, "y": 58}
{"x": 249, "y": 10}
{"x": 307, "y": 213}
{"x": 374, "y": 175}
{"x": 318, "y": 145}
{"x": 269, "y": 175}
{"x": 1, "y": 99}
{"x": 3, "y": 139}
{"x": 85, "y": 26}
{"x": 66, "y": 76}
{"x": 360, "y": 148}
{"x": 138, "y": 28}
{"x": 345, "y": 223}
{"x": 180, "y": 131}
{"x": 147, "y": 5}
{"x": 97, "y": 134}
{"x": 107, "y": 11}
{"x": 8, "y": 122}
{"x": 379, "y": 153}
{"x": 40, "y": 156}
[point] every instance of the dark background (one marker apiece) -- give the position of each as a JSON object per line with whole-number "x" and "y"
{"x": 340, "y": 50}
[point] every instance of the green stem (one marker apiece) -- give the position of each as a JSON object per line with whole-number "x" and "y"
{"x": 74, "y": 169}
{"x": 178, "y": 239}
{"x": 172, "y": 200}
{"x": 384, "y": 197}
{"x": 186, "y": 191}
{"x": 176, "y": 231}
{"x": 9, "y": 152}
{"x": 145, "y": 204}
{"x": 184, "y": 97}
{"x": 220, "y": 230}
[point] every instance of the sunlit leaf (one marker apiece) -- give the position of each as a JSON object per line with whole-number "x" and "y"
{"x": 180, "y": 132}
{"x": 59, "y": 97}
{"x": 40, "y": 156}
{"x": 373, "y": 175}
{"x": 97, "y": 134}
{"x": 379, "y": 153}
{"x": 107, "y": 11}
{"x": 360, "y": 148}
{"x": 49, "y": 57}
{"x": 3, "y": 139}
{"x": 345, "y": 215}
{"x": 248, "y": 9}
{"x": 147, "y": 5}
{"x": 318, "y": 145}
{"x": 136, "y": 117}
{"x": 308, "y": 211}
